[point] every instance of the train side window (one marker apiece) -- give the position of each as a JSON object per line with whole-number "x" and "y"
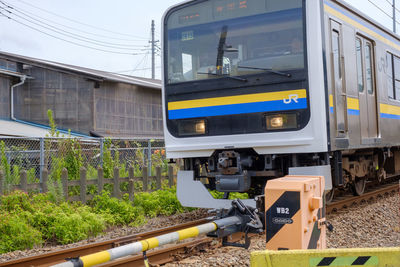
{"x": 396, "y": 64}
{"x": 389, "y": 75}
{"x": 336, "y": 55}
{"x": 360, "y": 76}
{"x": 368, "y": 69}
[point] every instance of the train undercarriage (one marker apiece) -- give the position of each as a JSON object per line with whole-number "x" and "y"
{"x": 243, "y": 170}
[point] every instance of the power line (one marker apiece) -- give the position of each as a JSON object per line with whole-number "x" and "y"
{"x": 68, "y": 41}
{"x": 79, "y": 22}
{"x": 145, "y": 71}
{"x": 139, "y": 63}
{"x": 70, "y": 35}
{"x": 133, "y": 70}
{"x": 391, "y": 4}
{"x": 383, "y": 11}
{"x": 73, "y": 28}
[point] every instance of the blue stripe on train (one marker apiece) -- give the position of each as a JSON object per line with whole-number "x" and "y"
{"x": 390, "y": 116}
{"x": 235, "y": 109}
{"x": 354, "y": 112}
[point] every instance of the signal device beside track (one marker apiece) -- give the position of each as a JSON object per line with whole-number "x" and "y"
{"x": 295, "y": 214}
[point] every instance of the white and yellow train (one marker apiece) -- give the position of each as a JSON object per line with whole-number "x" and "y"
{"x": 256, "y": 89}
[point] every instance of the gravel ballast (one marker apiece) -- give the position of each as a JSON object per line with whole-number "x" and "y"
{"x": 373, "y": 224}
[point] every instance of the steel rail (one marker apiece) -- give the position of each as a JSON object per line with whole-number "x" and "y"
{"x": 168, "y": 254}
{"x": 347, "y": 202}
{"x": 50, "y": 258}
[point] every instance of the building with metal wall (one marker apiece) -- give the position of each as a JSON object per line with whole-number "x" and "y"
{"x": 86, "y": 101}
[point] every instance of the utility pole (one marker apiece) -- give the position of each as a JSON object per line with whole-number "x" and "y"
{"x": 153, "y": 50}
{"x": 394, "y": 16}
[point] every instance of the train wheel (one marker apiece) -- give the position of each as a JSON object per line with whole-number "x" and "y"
{"x": 358, "y": 186}
{"x": 329, "y": 196}
{"x": 381, "y": 175}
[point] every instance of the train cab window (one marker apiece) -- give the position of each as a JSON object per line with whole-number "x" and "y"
{"x": 228, "y": 38}
{"x": 389, "y": 75}
{"x": 360, "y": 75}
{"x": 368, "y": 68}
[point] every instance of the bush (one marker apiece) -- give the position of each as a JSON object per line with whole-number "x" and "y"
{"x": 71, "y": 225}
{"x": 16, "y": 233}
{"x": 121, "y": 211}
{"x": 162, "y": 202}
{"x": 29, "y": 220}
{"x": 40, "y": 219}
{"x": 17, "y": 201}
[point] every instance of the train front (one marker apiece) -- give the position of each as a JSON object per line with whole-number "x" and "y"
{"x": 243, "y": 91}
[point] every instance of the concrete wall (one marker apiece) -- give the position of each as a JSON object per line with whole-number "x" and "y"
{"x": 5, "y": 97}
{"x": 126, "y": 110}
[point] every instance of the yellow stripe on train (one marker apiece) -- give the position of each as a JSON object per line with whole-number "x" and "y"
{"x": 353, "y": 103}
{"x": 331, "y": 101}
{"x": 239, "y": 99}
{"x": 390, "y": 109}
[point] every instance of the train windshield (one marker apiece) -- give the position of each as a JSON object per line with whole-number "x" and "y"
{"x": 215, "y": 39}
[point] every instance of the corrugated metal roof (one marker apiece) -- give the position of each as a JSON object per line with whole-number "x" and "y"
{"x": 21, "y": 129}
{"x": 96, "y": 74}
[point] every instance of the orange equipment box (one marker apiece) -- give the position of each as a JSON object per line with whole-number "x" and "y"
{"x": 295, "y": 213}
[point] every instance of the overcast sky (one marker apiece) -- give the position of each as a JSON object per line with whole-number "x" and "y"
{"x": 118, "y": 26}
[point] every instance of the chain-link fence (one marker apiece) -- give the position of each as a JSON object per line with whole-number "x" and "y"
{"x": 53, "y": 154}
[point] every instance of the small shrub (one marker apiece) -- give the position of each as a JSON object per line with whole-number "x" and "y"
{"x": 17, "y": 234}
{"x": 16, "y": 201}
{"x": 31, "y": 173}
{"x": 56, "y": 192}
{"x": 71, "y": 226}
{"x": 29, "y": 220}
{"x": 5, "y": 167}
{"x": 162, "y": 202}
{"x": 91, "y": 172}
{"x": 122, "y": 211}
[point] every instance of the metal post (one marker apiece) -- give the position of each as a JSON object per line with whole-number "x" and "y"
{"x": 42, "y": 155}
{"x": 153, "y": 51}
{"x": 101, "y": 151}
{"x": 149, "y": 157}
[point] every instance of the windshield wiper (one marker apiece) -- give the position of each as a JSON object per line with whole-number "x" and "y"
{"x": 268, "y": 70}
{"x": 224, "y": 75}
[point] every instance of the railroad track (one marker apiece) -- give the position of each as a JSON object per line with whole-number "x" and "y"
{"x": 346, "y": 201}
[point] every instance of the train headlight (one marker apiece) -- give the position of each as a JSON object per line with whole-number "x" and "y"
{"x": 192, "y": 127}
{"x": 281, "y": 121}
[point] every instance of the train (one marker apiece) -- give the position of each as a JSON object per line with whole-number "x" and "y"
{"x": 258, "y": 89}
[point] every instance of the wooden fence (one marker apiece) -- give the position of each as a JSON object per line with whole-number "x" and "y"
{"x": 100, "y": 181}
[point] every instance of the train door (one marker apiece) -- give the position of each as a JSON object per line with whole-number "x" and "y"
{"x": 338, "y": 79}
{"x": 366, "y": 89}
